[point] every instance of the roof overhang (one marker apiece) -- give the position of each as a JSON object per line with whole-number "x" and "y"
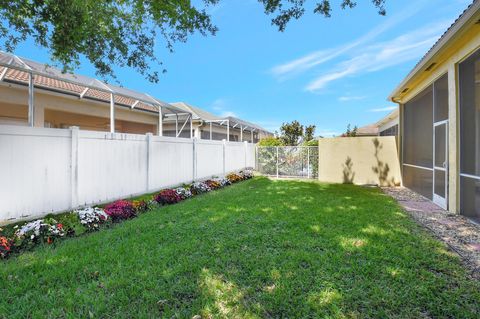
{"x": 468, "y": 18}
{"x": 390, "y": 117}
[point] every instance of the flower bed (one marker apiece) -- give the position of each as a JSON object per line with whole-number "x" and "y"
{"x": 167, "y": 197}
{"x": 120, "y": 210}
{"x": 89, "y": 219}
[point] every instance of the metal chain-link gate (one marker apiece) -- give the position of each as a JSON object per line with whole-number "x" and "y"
{"x": 287, "y": 161}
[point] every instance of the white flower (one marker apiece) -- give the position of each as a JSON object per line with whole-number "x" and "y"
{"x": 91, "y": 217}
{"x": 183, "y": 192}
{"x": 34, "y": 226}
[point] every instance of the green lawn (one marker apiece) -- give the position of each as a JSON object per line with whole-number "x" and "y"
{"x": 257, "y": 249}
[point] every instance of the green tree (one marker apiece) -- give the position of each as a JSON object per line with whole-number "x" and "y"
{"x": 309, "y": 133}
{"x": 270, "y": 141}
{"x": 290, "y": 133}
{"x": 350, "y": 132}
{"x": 286, "y": 10}
{"x": 121, "y": 33}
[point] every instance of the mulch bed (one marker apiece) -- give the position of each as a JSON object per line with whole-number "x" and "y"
{"x": 461, "y": 234}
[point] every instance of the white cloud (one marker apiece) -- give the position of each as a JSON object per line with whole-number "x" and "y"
{"x": 351, "y": 98}
{"x": 228, "y": 113}
{"x": 221, "y": 106}
{"x": 382, "y": 55}
{"x": 383, "y": 109}
{"x": 321, "y": 56}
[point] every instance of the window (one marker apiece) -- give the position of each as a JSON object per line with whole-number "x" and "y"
{"x": 469, "y": 84}
{"x": 391, "y": 131}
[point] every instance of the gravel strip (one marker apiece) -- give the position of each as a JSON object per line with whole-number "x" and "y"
{"x": 460, "y": 233}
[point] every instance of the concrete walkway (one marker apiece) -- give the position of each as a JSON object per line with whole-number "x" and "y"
{"x": 458, "y": 232}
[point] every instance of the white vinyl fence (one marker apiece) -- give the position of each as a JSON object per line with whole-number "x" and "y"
{"x": 51, "y": 170}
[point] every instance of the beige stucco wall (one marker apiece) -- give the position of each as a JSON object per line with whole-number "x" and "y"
{"x": 359, "y": 160}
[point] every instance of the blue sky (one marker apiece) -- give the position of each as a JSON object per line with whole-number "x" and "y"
{"x": 327, "y": 72}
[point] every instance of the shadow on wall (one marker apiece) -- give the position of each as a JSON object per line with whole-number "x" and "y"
{"x": 382, "y": 175}
{"x": 348, "y": 173}
{"x": 382, "y": 169}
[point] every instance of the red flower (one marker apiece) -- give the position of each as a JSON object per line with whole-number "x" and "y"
{"x": 4, "y": 243}
{"x": 121, "y": 209}
{"x": 167, "y": 196}
{"x": 60, "y": 226}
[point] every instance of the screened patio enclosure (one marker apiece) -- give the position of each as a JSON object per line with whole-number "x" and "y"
{"x": 43, "y": 78}
{"x": 469, "y": 87}
{"x": 425, "y": 142}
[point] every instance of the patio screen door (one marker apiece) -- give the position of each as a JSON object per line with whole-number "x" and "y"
{"x": 440, "y": 167}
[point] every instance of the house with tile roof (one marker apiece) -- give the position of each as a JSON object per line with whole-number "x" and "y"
{"x": 38, "y": 95}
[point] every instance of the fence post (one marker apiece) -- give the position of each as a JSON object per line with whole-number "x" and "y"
{"x": 194, "y": 145}
{"x": 277, "y": 161}
{"x": 308, "y": 161}
{"x": 149, "y": 160}
{"x": 256, "y": 158}
{"x": 246, "y": 153}
{"x": 224, "y": 164}
{"x": 74, "y": 167}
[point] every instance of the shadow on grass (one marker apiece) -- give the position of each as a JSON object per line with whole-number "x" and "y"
{"x": 258, "y": 249}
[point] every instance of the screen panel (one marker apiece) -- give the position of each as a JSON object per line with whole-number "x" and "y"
{"x": 418, "y": 130}
{"x": 469, "y": 72}
{"x": 419, "y": 180}
{"x": 440, "y": 145}
{"x": 440, "y": 189}
{"x": 441, "y": 99}
{"x": 470, "y": 197}
{"x": 469, "y": 86}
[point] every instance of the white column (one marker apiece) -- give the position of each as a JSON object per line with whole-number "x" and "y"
{"x": 176, "y": 125}
{"x": 160, "y": 121}
{"x": 112, "y": 113}
{"x": 453, "y": 147}
{"x": 191, "y": 127}
{"x": 31, "y": 108}
{"x": 251, "y": 135}
{"x": 210, "y": 131}
{"x": 74, "y": 167}
{"x": 228, "y": 130}
{"x": 241, "y": 133}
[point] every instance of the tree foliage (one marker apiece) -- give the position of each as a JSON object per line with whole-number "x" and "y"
{"x": 286, "y": 10}
{"x": 108, "y": 33}
{"x": 350, "y": 132}
{"x": 270, "y": 141}
{"x": 293, "y": 133}
{"x": 290, "y": 133}
{"x": 309, "y": 133}
{"x": 121, "y": 33}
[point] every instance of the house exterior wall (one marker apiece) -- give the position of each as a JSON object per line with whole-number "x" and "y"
{"x": 461, "y": 47}
{"x": 59, "y": 110}
{"x": 388, "y": 125}
{"x": 202, "y": 131}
